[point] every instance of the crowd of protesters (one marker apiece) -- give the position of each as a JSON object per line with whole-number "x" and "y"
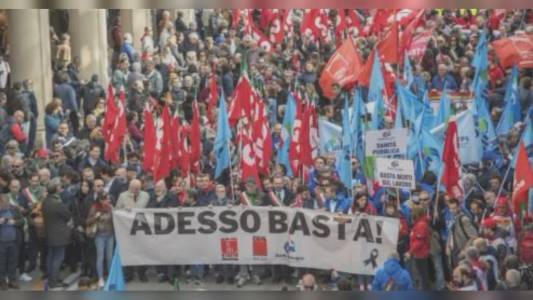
{"x": 58, "y": 193}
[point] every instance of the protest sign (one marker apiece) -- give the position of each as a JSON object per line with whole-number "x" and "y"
{"x": 387, "y": 142}
{"x": 395, "y": 173}
{"x": 259, "y": 235}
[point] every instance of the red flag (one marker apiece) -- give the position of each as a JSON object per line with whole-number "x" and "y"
{"x": 366, "y": 72}
{"x": 315, "y": 23}
{"x": 389, "y": 45}
{"x": 353, "y": 20}
{"x": 184, "y": 151}
{"x": 248, "y": 158}
{"x": 279, "y": 27}
{"x": 240, "y": 105}
{"x": 260, "y": 38}
{"x": 267, "y": 17}
{"x": 149, "y": 139}
{"x": 522, "y": 181}
{"x": 380, "y": 21}
{"x": 262, "y": 139}
{"x": 196, "y": 139}
{"x": 295, "y": 149}
{"x": 213, "y": 97}
{"x": 517, "y": 49}
{"x": 417, "y": 47}
{"x": 341, "y": 25}
{"x": 406, "y": 37}
{"x": 343, "y": 68}
{"x": 118, "y": 131}
{"x": 451, "y": 175}
{"x": 110, "y": 114}
{"x": 163, "y": 146}
{"x": 176, "y": 154}
{"x": 314, "y": 139}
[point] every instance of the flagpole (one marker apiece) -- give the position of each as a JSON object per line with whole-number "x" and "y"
{"x": 502, "y": 183}
{"x": 232, "y": 189}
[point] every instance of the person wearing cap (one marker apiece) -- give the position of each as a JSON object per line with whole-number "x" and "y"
{"x": 58, "y": 230}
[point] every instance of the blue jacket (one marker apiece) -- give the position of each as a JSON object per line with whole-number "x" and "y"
{"x": 438, "y": 82}
{"x": 392, "y": 277}
{"x": 51, "y": 123}
{"x": 67, "y": 94}
{"x": 341, "y": 204}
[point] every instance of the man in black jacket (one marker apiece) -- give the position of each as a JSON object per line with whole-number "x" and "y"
{"x": 58, "y": 231}
{"x": 10, "y": 219}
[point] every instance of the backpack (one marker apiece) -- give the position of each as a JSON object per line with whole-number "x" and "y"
{"x": 526, "y": 247}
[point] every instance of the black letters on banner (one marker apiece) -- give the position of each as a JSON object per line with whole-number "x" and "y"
{"x": 205, "y": 218}
{"x": 364, "y": 230}
{"x": 230, "y": 222}
{"x": 299, "y": 223}
{"x": 255, "y": 218}
{"x": 323, "y": 228}
{"x": 158, "y": 223}
{"x": 140, "y": 224}
{"x": 184, "y": 219}
{"x": 342, "y": 226}
{"x": 277, "y": 221}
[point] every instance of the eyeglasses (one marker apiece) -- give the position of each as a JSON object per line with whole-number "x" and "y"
{"x": 424, "y": 199}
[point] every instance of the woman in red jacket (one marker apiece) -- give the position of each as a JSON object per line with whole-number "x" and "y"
{"x": 419, "y": 246}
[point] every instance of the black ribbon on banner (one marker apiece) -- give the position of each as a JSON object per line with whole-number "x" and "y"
{"x": 372, "y": 259}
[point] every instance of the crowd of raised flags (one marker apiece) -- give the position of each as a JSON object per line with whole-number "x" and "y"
{"x": 382, "y": 92}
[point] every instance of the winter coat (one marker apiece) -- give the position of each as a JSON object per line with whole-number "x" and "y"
{"x": 56, "y": 218}
{"x": 392, "y": 277}
{"x": 420, "y": 239}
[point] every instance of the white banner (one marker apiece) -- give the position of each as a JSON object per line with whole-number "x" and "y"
{"x": 387, "y": 142}
{"x": 395, "y": 173}
{"x": 259, "y": 235}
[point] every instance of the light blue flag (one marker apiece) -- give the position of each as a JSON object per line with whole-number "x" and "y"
{"x": 470, "y": 147}
{"x": 375, "y": 94}
{"x": 286, "y": 133}
{"x": 429, "y": 117}
{"x": 398, "y": 118}
{"x": 115, "y": 279}
{"x": 330, "y": 137}
{"x": 345, "y": 157}
{"x": 431, "y": 152}
{"x": 377, "y": 83}
{"x": 414, "y": 147}
{"x": 222, "y": 139}
{"x": 484, "y": 123}
{"x": 527, "y": 138}
{"x": 410, "y": 106}
{"x": 408, "y": 70}
{"x": 358, "y": 126}
{"x": 511, "y": 112}
{"x": 445, "y": 109}
{"x": 481, "y": 63}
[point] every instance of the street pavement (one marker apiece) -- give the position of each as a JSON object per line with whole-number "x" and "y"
{"x": 153, "y": 284}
